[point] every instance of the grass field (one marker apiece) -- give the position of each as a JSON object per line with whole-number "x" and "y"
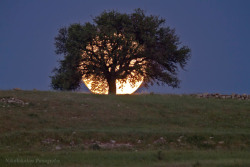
{"x": 75, "y": 129}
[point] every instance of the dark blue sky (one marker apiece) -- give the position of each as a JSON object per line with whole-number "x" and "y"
{"x": 217, "y": 31}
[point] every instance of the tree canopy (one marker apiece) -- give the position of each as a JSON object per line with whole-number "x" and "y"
{"x": 119, "y": 46}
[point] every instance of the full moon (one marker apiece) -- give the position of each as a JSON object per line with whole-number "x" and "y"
{"x": 121, "y": 87}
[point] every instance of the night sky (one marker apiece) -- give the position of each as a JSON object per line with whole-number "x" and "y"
{"x": 217, "y": 31}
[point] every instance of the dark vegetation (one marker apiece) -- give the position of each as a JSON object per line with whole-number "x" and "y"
{"x": 129, "y": 130}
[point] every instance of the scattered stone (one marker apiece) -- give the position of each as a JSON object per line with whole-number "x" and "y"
{"x": 221, "y": 142}
{"x": 115, "y": 145}
{"x": 244, "y": 96}
{"x": 95, "y": 146}
{"x": 85, "y": 105}
{"x": 161, "y": 140}
{"x": 179, "y": 139}
{"x": 112, "y": 141}
{"x": 48, "y": 141}
{"x": 221, "y": 96}
{"x": 205, "y": 142}
{"x": 199, "y": 95}
{"x": 93, "y": 141}
{"x": 12, "y": 100}
{"x": 217, "y": 95}
{"x": 17, "y": 89}
{"x": 205, "y": 95}
{"x": 112, "y": 144}
{"x": 210, "y": 142}
{"x": 58, "y": 148}
{"x": 72, "y": 143}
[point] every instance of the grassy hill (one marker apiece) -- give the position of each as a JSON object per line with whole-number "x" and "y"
{"x": 74, "y": 129}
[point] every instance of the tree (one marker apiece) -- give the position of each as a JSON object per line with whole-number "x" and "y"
{"x": 119, "y": 46}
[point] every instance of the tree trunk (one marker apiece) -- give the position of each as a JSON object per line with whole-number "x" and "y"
{"x": 112, "y": 86}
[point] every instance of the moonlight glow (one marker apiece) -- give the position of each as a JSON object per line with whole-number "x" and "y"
{"x": 121, "y": 88}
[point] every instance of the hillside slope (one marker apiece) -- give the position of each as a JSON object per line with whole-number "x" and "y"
{"x": 47, "y": 122}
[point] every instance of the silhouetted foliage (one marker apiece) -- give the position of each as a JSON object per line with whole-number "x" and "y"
{"x": 119, "y": 46}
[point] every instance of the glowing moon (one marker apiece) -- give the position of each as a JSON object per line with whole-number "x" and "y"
{"x": 126, "y": 86}
{"x": 121, "y": 88}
